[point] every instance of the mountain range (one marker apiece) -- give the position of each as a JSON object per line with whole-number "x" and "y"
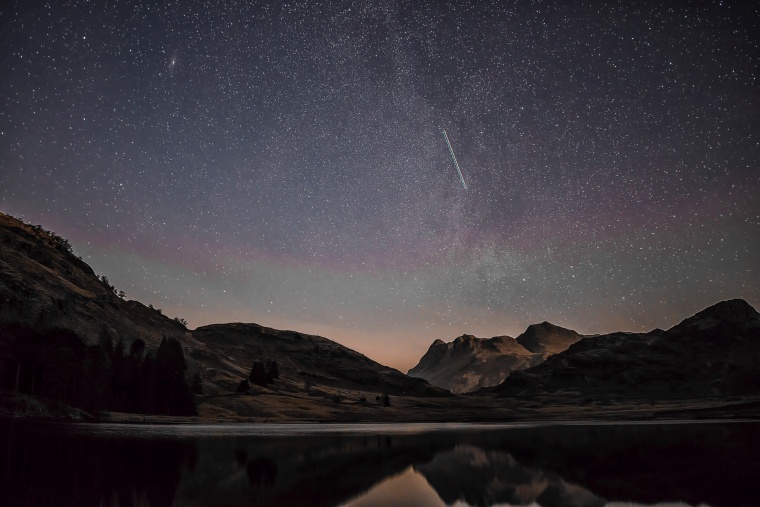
{"x": 469, "y": 363}
{"x": 72, "y": 345}
{"x": 713, "y": 353}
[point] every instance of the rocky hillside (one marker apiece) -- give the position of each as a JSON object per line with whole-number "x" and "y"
{"x": 469, "y": 363}
{"x": 713, "y": 353}
{"x": 302, "y": 360}
{"x": 547, "y": 339}
{"x": 44, "y": 285}
{"x": 53, "y": 305}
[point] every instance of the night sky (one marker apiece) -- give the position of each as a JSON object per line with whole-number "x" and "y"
{"x": 284, "y": 163}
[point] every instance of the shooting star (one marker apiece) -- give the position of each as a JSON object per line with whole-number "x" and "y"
{"x": 454, "y": 158}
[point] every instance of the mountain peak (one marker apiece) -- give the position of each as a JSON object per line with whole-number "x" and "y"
{"x": 468, "y": 362}
{"x": 732, "y": 311}
{"x": 547, "y": 338}
{"x": 546, "y": 327}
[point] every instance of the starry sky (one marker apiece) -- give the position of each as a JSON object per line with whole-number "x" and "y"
{"x": 284, "y": 163}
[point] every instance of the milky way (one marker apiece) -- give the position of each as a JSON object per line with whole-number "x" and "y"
{"x": 283, "y": 163}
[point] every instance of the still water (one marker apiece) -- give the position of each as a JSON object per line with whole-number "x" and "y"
{"x": 715, "y": 464}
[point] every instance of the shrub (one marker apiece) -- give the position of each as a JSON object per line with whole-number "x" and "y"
{"x": 259, "y": 375}
{"x": 244, "y": 386}
{"x": 273, "y": 370}
{"x": 196, "y": 384}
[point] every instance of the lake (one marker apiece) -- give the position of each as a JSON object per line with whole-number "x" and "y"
{"x": 699, "y": 463}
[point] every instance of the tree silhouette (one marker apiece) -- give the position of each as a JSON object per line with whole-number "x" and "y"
{"x": 244, "y": 386}
{"x": 273, "y": 370}
{"x": 196, "y": 384}
{"x": 173, "y": 394}
{"x": 259, "y": 375}
{"x": 57, "y": 364}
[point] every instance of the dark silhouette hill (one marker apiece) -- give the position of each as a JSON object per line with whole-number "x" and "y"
{"x": 547, "y": 339}
{"x": 302, "y": 359}
{"x": 713, "y": 353}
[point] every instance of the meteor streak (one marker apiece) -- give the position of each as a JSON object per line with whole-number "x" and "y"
{"x": 454, "y": 158}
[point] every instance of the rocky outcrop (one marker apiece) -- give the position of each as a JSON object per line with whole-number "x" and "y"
{"x": 547, "y": 339}
{"x": 469, "y": 363}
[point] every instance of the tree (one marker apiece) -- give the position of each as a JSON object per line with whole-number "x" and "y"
{"x": 107, "y": 284}
{"x": 63, "y": 243}
{"x": 59, "y": 365}
{"x": 273, "y": 370}
{"x": 259, "y": 375}
{"x": 196, "y": 384}
{"x": 147, "y": 384}
{"x": 173, "y": 394}
{"x": 105, "y": 343}
{"x": 96, "y": 377}
{"x": 244, "y": 386}
{"x": 131, "y": 382}
{"x": 119, "y": 378}
{"x": 137, "y": 348}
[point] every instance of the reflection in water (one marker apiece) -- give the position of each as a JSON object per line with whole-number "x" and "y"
{"x": 40, "y": 466}
{"x": 406, "y": 488}
{"x": 261, "y": 471}
{"x": 481, "y": 477}
{"x": 709, "y": 464}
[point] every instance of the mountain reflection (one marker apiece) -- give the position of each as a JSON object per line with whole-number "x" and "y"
{"x": 484, "y": 478}
{"x": 699, "y": 464}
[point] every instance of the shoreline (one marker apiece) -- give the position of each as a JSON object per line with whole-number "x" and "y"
{"x": 480, "y": 409}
